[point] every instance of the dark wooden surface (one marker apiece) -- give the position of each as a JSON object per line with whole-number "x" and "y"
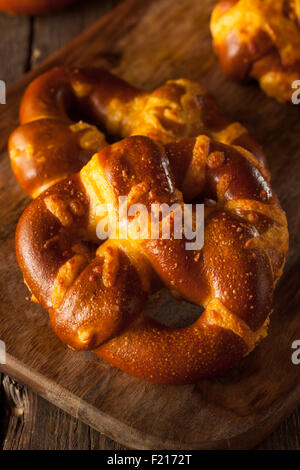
{"x": 28, "y": 421}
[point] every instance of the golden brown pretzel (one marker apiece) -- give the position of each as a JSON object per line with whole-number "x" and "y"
{"x": 95, "y": 299}
{"x": 95, "y": 296}
{"x": 32, "y": 7}
{"x": 51, "y": 144}
{"x": 259, "y": 39}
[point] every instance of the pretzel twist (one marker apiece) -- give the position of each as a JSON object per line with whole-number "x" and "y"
{"x": 259, "y": 39}
{"x": 96, "y": 295}
{"x": 33, "y": 7}
{"x": 52, "y": 144}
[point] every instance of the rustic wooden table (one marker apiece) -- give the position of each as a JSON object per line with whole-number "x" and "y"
{"x": 26, "y": 420}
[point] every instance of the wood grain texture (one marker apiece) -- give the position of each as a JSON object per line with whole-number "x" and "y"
{"x": 14, "y": 47}
{"x": 57, "y": 429}
{"x": 35, "y": 424}
{"x": 51, "y": 32}
{"x": 237, "y": 410}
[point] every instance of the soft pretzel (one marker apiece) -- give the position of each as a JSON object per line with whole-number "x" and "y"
{"x": 96, "y": 295}
{"x": 52, "y": 144}
{"x": 259, "y": 39}
{"x": 95, "y": 300}
{"x": 33, "y": 7}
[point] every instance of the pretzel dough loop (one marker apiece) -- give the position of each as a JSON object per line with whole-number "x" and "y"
{"x": 51, "y": 144}
{"x": 259, "y": 39}
{"x": 96, "y": 295}
{"x": 97, "y": 302}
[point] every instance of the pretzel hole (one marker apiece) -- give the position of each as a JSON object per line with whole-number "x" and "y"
{"x": 163, "y": 308}
{"x": 77, "y": 114}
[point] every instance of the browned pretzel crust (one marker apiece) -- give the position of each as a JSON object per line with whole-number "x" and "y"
{"x": 95, "y": 302}
{"x": 259, "y": 39}
{"x": 96, "y": 295}
{"x": 52, "y": 143}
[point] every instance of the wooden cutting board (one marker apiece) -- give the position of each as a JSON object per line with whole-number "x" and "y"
{"x": 147, "y": 43}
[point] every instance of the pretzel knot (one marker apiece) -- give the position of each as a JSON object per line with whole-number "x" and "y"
{"x": 52, "y": 144}
{"x": 259, "y": 39}
{"x": 96, "y": 295}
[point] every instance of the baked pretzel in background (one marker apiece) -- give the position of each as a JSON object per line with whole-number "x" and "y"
{"x": 33, "y": 7}
{"x": 259, "y": 39}
{"x": 96, "y": 294}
